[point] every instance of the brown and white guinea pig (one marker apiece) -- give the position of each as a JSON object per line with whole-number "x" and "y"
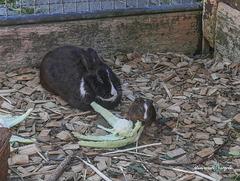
{"x": 143, "y": 110}
{"x": 80, "y": 77}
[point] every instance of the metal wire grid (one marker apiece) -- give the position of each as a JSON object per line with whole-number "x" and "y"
{"x": 22, "y": 7}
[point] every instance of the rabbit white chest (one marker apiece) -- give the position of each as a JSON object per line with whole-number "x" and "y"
{"x": 82, "y": 89}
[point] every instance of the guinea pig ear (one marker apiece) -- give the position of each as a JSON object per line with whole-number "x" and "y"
{"x": 137, "y": 99}
{"x": 151, "y": 101}
{"x": 93, "y": 54}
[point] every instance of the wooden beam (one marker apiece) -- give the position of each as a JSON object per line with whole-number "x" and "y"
{"x": 209, "y": 20}
{"x": 25, "y": 45}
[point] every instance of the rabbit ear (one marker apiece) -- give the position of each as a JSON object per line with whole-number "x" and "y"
{"x": 93, "y": 54}
{"x": 86, "y": 59}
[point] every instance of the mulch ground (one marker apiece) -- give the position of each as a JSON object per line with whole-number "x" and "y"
{"x": 197, "y": 104}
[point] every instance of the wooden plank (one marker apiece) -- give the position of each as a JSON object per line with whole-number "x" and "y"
{"x": 205, "y": 46}
{"x": 5, "y": 136}
{"x": 209, "y": 19}
{"x": 227, "y": 41}
{"x": 25, "y": 45}
{"x": 233, "y": 3}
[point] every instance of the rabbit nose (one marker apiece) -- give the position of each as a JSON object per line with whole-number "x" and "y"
{"x": 113, "y": 90}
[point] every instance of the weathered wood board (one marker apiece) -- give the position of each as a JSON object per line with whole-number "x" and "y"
{"x": 209, "y": 20}
{"x": 5, "y": 136}
{"x": 227, "y": 39}
{"x": 233, "y": 3}
{"x": 25, "y": 45}
{"x": 209, "y": 17}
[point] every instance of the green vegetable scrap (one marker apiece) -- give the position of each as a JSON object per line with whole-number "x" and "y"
{"x": 15, "y": 138}
{"x": 124, "y": 132}
{"x": 9, "y": 121}
{"x": 234, "y": 153}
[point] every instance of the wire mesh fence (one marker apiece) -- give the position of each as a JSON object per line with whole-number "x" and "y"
{"x": 23, "y": 7}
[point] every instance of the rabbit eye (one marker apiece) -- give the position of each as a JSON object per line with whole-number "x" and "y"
{"x": 100, "y": 80}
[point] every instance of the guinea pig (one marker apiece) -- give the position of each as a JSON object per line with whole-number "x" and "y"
{"x": 80, "y": 77}
{"x": 143, "y": 110}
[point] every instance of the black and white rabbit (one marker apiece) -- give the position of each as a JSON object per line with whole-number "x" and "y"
{"x": 80, "y": 77}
